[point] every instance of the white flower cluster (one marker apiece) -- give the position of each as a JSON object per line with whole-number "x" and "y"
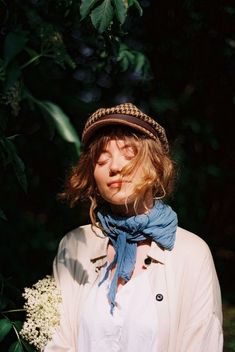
{"x": 42, "y": 312}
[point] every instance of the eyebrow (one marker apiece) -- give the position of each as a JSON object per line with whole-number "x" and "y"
{"x": 104, "y": 151}
{"x": 126, "y": 145}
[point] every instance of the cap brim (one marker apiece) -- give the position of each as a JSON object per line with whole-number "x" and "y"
{"x": 126, "y": 120}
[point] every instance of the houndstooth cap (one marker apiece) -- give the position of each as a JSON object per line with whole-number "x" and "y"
{"x": 128, "y": 115}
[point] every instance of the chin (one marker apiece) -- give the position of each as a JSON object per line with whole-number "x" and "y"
{"x": 122, "y": 201}
{"x": 119, "y": 198}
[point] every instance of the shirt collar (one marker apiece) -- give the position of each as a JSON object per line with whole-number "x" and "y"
{"x": 156, "y": 252}
{"x": 100, "y": 251}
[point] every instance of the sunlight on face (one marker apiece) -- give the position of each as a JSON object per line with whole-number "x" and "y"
{"x": 115, "y": 188}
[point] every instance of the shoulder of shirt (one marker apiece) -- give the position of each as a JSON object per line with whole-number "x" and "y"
{"x": 85, "y": 238}
{"x": 88, "y": 232}
{"x": 188, "y": 243}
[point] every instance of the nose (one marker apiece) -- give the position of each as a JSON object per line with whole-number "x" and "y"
{"x": 115, "y": 166}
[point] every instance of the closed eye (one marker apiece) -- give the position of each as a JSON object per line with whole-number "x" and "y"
{"x": 103, "y": 159}
{"x": 129, "y": 152}
{"x": 101, "y": 163}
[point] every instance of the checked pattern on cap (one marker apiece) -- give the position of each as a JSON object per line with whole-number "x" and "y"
{"x": 129, "y": 109}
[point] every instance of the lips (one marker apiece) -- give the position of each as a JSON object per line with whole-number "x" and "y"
{"x": 116, "y": 184}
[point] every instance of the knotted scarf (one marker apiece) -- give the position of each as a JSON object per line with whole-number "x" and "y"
{"x": 158, "y": 224}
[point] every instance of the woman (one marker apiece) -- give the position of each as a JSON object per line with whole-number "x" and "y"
{"x": 132, "y": 280}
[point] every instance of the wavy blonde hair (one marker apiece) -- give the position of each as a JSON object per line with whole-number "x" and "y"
{"x": 157, "y": 169}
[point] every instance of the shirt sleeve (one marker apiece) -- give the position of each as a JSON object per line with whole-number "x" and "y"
{"x": 203, "y": 332}
{"x": 62, "y": 339}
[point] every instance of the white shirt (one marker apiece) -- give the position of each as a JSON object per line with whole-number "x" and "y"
{"x": 189, "y": 315}
{"x": 133, "y": 327}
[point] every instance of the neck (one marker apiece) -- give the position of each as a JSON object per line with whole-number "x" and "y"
{"x": 130, "y": 209}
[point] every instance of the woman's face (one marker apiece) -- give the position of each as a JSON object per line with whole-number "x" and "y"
{"x": 113, "y": 187}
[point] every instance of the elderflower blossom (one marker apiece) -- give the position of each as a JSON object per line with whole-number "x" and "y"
{"x": 42, "y": 312}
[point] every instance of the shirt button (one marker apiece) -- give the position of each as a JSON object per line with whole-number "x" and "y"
{"x": 147, "y": 261}
{"x": 159, "y": 297}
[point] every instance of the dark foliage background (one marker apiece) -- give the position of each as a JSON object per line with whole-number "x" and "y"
{"x": 176, "y": 62}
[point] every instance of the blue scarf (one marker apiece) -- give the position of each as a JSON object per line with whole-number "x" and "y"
{"x": 158, "y": 225}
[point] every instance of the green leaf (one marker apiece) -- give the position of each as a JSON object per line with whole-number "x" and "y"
{"x": 2, "y": 70}
{"x": 161, "y": 105}
{"x": 16, "y": 347}
{"x": 3, "y": 299}
{"x": 124, "y": 64}
{"x": 102, "y": 16}
{"x": 121, "y": 10}
{"x": 32, "y": 53}
{"x": 86, "y": 7}
{"x": 13, "y": 45}
{"x": 136, "y": 4}
{"x": 230, "y": 10}
{"x": 13, "y": 73}
{"x": 62, "y": 122}
{"x": 213, "y": 170}
{"x": 19, "y": 169}
{"x": 4, "y": 152}
{"x": 34, "y": 57}
{"x": 5, "y": 327}
{"x": 2, "y": 216}
{"x": 140, "y": 62}
{"x": 18, "y": 324}
{"x": 16, "y": 161}
{"x": 13, "y": 137}
{"x": 125, "y": 57}
{"x": 27, "y": 346}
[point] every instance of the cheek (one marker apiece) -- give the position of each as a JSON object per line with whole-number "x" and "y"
{"x": 96, "y": 172}
{"x": 98, "y": 177}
